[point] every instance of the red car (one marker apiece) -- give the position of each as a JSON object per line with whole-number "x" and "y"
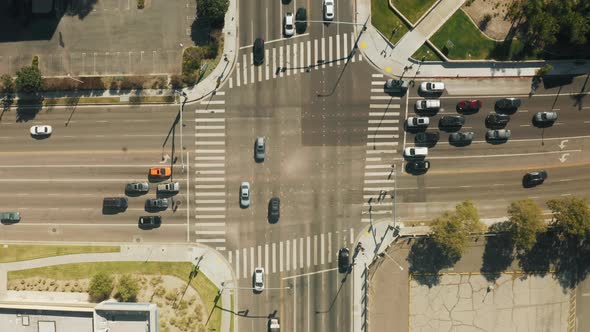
{"x": 469, "y": 105}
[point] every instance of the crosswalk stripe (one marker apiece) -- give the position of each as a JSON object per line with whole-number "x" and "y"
{"x": 266, "y": 66}
{"x": 288, "y": 255}
{"x": 294, "y": 64}
{"x": 383, "y": 151}
{"x": 209, "y": 120}
{"x": 209, "y": 186}
{"x": 315, "y": 53}
{"x": 209, "y": 143}
{"x": 382, "y": 143}
{"x": 203, "y": 172}
{"x": 210, "y": 194}
{"x": 338, "y": 50}
{"x": 324, "y": 52}
{"x": 322, "y": 244}
{"x": 294, "y": 254}
{"x": 376, "y": 75}
{"x": 351, "y": 235}
{"x": 238, "y": 79}
{"x": 384, "y": 98}
{"x": 301, "y": 57}
{"x": 377, "y": 82}
{"x": 281, "y": 61}
{"x": 210, "y": 151}
{"x": 209, "y": 164}
{"x": 281, "y": 256}
{"x": 251, "y": 68}
{"x": 377, "y": 189}
{"x": 377, "y": 173}
{"x": 301, "y": 252}
{"x": 245, "y": 262}
{"x": 210, "y": 111}
{"x": 211, "y": 240}
{"x": 274, "y": 62}
{"x": 210, "y": 158}
{"x": 231, "y": 85}
{"x": 274, "y": 258}
{"x": 329, "y": 247}
{"x": 352, "y": 40}
{"x": 219, "y": 208}
{"x": 383, "y": 121}
{"x": 209, "y": 216}
{"x": 238, "y": 263}
{"x": 315, "y": 250}
{"x": 373, "y": 159}
{"x": 210, "y": 201}
{"x": 377, "y": 166}
{"x": 245, "y": 69}
{"x": 230, "y": 256}
{"x": 260, "y": 257}
{"x": 384, "y": 106}
{"x": 209, "y": 232}
{"x": 287, "y": 62}
{"x": 259, "y": 73}
{"x": 308, "y": 239}
{"x": 209, "y": 134}
{"x": 252, "y": 259}
{"x": 378, "y": 181}
{"x": 383, "y": 128}
{"x": 382, "y": 114}
{"x": 213, "y": 102}
{"x": 266, "y": 266}
{"x": 377, "y": 136}
{"x": 330, "y": 50}
{"x": 210, "y": 224}
{"x": 345, "y": 42}
{"x": 308, "y": 53}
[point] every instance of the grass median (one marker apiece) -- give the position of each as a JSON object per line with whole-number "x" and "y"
{"x": 386, "y": 21}
{"x": 21, "y": 252}
{"x": 206, "y": 289}
{"x": 412, "y": 9}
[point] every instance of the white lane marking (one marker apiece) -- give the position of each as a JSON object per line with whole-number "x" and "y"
{"x": 294, "y": 254}
{"x": 308, "y": 239}
{"x": 338, "y": 50}
{"x": 330, "y": 51}
{"x": 281, "y": 256}
{"x": 506, "y": 155}
{"x": 309, "y": 274}
{"x": 274, "y": 258}
{"x": 260, "y": 257}
{"x": 288, "y": 255}
{"x": 315, "y": 250}
{"x": 329, "y": 247}
{"x": 266, "y": 258}
{"x": 322, "y": 244}
{"x": 323, "y": 48}
{"x": 287, "y": 62}
{"x": 252, "y": 259}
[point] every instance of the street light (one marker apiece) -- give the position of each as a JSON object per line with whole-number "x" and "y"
{"x": 183, "y": 94}
{"x": 75, "y": 79}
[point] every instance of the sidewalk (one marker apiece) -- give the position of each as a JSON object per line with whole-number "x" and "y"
{"x": 212, "y": 264}
{"x": 396, "y": 59}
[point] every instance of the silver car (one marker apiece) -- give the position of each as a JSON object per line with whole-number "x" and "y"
{"x": 157, "y": 204}
{"x": 498, "y": 135}
{"x": 461, "y": 137}
{"x": 545, "y": 117}
{"x": 260, "y": 148}
{"x": 245, "y": 194}
{"x": 137, "y": 188}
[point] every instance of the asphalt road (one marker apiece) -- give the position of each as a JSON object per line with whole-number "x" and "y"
{"x": 58, "y": 183}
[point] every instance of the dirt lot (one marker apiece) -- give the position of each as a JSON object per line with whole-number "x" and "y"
{"x": 498, "y": 27}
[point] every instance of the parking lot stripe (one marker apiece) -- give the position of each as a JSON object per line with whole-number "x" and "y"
{"x": 274, "y": 258}
{"x": 322, "y": 246}
{"x": 281, "y": 256}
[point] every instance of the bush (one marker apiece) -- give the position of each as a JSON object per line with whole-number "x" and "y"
{"x": 140, "y": 4}
{"x": 101, "y": 287}
{"x": 29, "y": 79}
{"x": 127, "y": 289}
{"x": 213, "y": 11}
{"x": 35, "y": 62}
{"x": 487, "y": 18}
{"x": 544, "y": 70}
{"x": 175, "y": 82}
{"x": 7, "y": 83}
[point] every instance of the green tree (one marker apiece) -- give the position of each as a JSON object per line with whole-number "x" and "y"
{"x": 526, "y": 221}
{"x": 101, "y": 287}
{"x": 213, "y": 10}
{"x": 127, "y": 289}
{"x": 467, "y": 213}
{"x": 571, "y": 216}
{"x": 29, "y": 79}
{"x": 449, "y": 234}
{"x": 7, "y": 83}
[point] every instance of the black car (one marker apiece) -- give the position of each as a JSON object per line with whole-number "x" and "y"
{"x": 418, "y": 166}
{"x": 150, "y": 221}
{"x": 258, "y": 51}
{"x": 459, "y": 138}
{"x": 343, "y": 260}
{"x": 274, "y": 209}
{"x": 451, "y": 121}
{"x": 495, "y": 120}
{"x": 508, "y": 104}
{"x": 427, "y": 137}
{"x": 301, "y": 20}
{"x": 536, "y": 178}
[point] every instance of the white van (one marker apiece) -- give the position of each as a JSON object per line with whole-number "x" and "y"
{"x": 171, "y": 188}
{"x": 415, "y": 153}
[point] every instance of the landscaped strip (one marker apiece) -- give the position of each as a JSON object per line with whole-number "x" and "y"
{"x": 206, "y": 289}
{"x": 21, "y": 252}
{"x": 460, "y": 39}
{"x": 412, "y": 9}
{"x": 427, "y": 53}
{"x": 386, "y": 21}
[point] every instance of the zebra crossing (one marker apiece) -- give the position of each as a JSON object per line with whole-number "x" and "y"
{"x": 291, "y": 255}
{"x": 383, "y": 135}
{"x": 209, "y": 172}
{"x": 296, "y": 57}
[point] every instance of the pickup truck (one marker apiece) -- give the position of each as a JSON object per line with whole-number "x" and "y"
{"x": 9, "y": 216}
{"x": 169, "y": 188}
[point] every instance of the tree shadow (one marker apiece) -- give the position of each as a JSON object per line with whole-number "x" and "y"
{"x": 28, "y": 107}
{"x": 498, "y": 253}
{"x": 200, "y": 31}
{"x": 6, "y": 104}
{"x": 17, "y": 22}
{"x": 426, "y": 260}
{"x": 538, "y": 260}
{"x": 572, "y": 263}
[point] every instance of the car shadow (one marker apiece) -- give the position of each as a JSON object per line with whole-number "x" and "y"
{"x": 431, "y": 95}
{"x": 153, "y": 209}
{"x": 410, "y": 170}
{"x": 428, "y": 112}
{"x": 111, "y": 211}
{"x": 496, "y": 141}
{"x": 466, "y": 112}
{"x": 459, "y": 144}
{"x": 8, "y": 222}
{"x": 40, "y": 137}
{"x": 160, "y": 194}
{"x": 413, "y": 130}
{"x": 146, "y": 227}
{"x": 449, "y": 129}
{"x": 133, "y": 193}
{"x": 542, "y": 124}
{"x": 508, "y": 111}
{"x": 157, "y": 179}
{"x": 429, "y": 144}
{"x": 527, "y": 184}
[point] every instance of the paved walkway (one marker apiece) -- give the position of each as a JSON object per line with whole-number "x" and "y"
{"x": 212, "y": 263}
{"x": 396, "y": 58}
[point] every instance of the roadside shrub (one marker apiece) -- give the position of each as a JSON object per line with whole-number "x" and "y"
{"x": 35, "y": 62}
{"x": 140, "y": 4}
{"x": 175, "y": 81}
{"x": 29, "y": 79}
{"x": 213, "y": 11}
{"x": 127, "y": 289}
{"x": 544, "y": 70}
{"x": 101, "y": 287}
{"x": 7, "y": 83}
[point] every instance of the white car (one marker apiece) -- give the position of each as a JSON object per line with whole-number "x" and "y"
{"x": 245, "y": 194}
{"x": 415, "y": 153}
{"x": 41, "y": 130}
{"x": 328, "y": 10}
{"x": 432, "y": 87}
{"x": 259, "y": 279}
{"x": 289, "y": 28}
{"x": 417, "y": 122}
{"x": 427, "y": 105}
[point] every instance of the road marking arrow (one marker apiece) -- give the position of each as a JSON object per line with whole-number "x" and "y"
{"x": 563, "y": 157}
{"x": 166, "y": 157}
{"x": 562, "y": 144}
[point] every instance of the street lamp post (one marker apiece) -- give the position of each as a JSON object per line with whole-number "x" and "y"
{"x": 75, "y": 79}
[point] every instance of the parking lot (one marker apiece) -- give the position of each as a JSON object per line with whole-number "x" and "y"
{"x": 114, "y": 38}
{"x": 468, "y": 302}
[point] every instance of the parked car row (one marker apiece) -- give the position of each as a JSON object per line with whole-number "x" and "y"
{"x": 163, "y": 192}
